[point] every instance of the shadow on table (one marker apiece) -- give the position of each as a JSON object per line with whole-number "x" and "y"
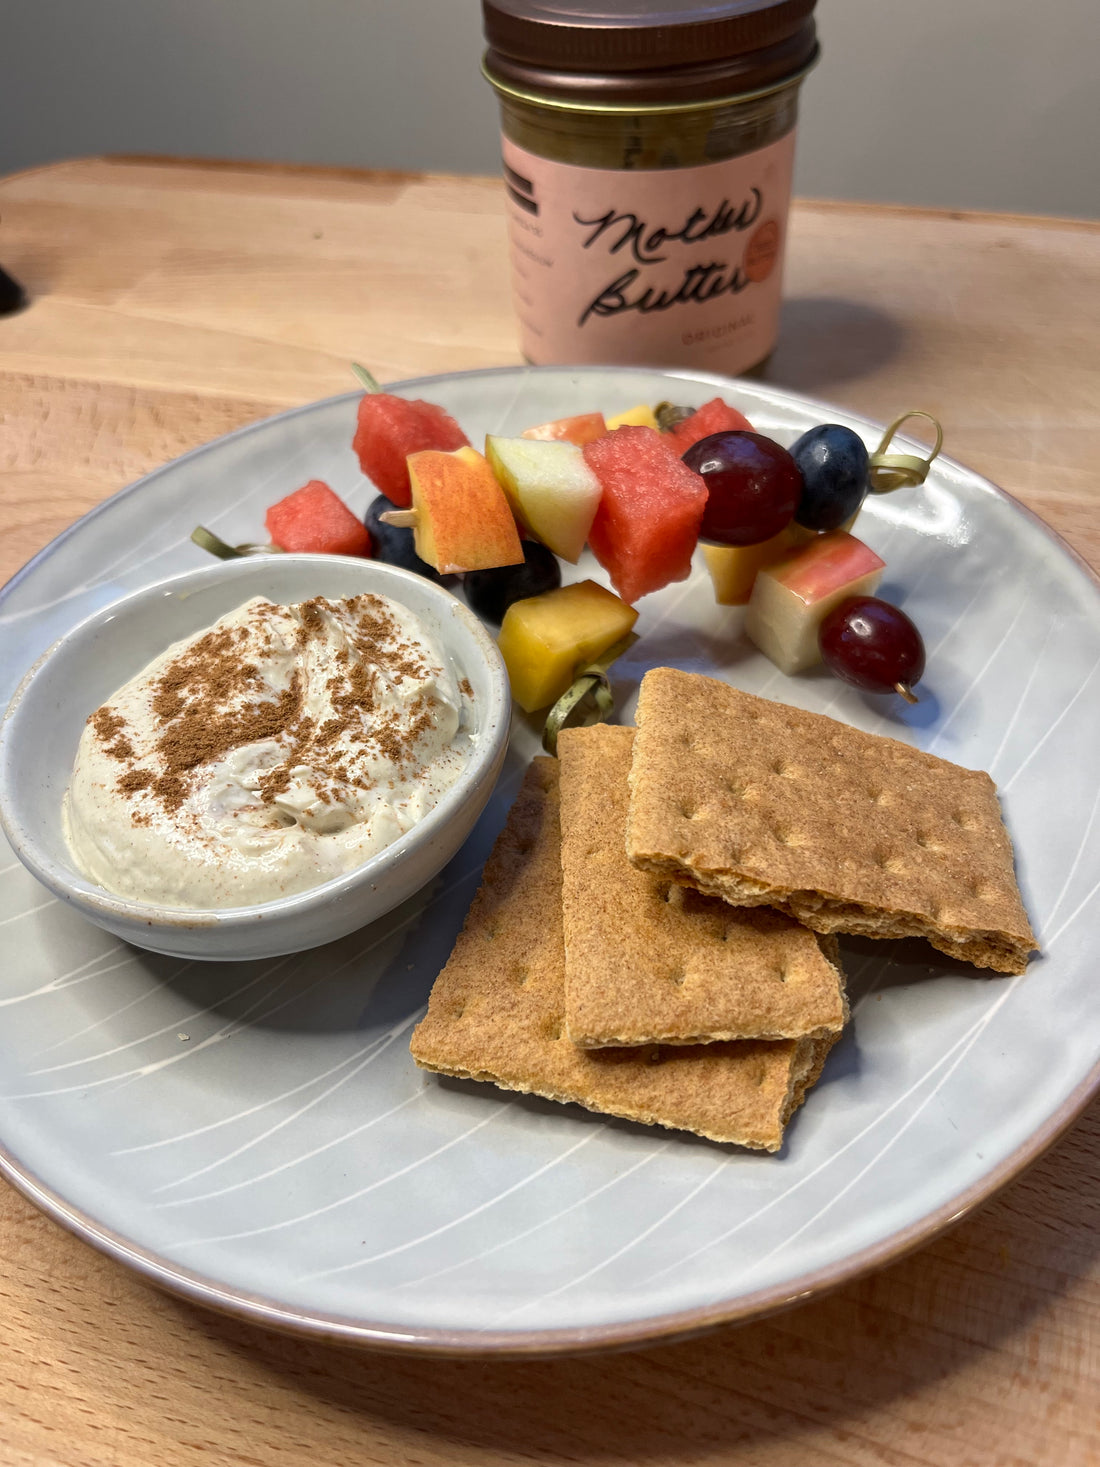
{"x": 789, "y": 1389}
{"x": 824, "y": 340}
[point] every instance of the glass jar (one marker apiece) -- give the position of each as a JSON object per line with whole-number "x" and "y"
{"x": 647, "y": 161}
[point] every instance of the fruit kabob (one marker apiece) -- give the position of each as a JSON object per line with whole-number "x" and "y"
{"x": 641, "y": 489}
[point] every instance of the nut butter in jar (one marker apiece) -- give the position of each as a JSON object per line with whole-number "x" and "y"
{"x": 648, "y": 148}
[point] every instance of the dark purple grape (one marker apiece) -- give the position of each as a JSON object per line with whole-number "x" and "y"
{"x": 491, "y": 592}
{"x": 872, "y": 645}
{"x": 394, "y": 544}
{"x": 753, "y": 486}
{"x": 834, "y": 463}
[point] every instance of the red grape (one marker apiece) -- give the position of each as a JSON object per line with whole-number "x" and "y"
{"x": 753, "y": 486}
{"x": 872, "y": 645}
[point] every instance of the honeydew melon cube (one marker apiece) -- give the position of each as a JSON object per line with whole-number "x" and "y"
{"x": 545, "y": 640}
{"x": 791, "y": 599}
{"x": 552, "y": 491}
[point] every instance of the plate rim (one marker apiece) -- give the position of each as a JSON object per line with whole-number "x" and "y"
{"x": 199, "y": 1288}
{"x": 256, "y": 1309}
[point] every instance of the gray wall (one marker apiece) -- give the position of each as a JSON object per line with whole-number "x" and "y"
{"x": 970, "y": 103}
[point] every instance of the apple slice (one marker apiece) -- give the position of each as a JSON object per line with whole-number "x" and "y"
{"x": 641, "y": 416}
{"x": 459, "y": 517}
{"x": 582, "y": 429}
{"x": 791, "y": 599}
{"x": 545, "y": 639}
{"x": 552, "y": 491}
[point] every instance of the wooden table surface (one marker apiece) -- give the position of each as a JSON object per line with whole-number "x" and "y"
{"x": 173, "y": 302}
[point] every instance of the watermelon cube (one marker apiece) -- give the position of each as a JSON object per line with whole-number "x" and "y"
{"x": 315, "y": 519}
{"x": 715, "y": 416}
{"x": 650, "y": 510}
{"x": 389, "y": 429}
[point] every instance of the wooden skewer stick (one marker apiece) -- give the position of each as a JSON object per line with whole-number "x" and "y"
{"x": 404, "y": 519}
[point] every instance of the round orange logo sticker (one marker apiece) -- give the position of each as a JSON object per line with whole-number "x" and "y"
{"x": 762, "y": 251}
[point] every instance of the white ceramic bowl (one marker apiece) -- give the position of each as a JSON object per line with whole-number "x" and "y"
{"x": 42, "y": 727}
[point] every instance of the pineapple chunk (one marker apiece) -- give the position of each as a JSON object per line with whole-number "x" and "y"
{"x": 545, "y": 639}
{"x": 734, "y": 568}
{"x": 641, "y": 416}
{"x": 790, "y": 600}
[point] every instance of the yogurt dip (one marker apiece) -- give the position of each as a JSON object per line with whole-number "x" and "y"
{"x": 280, "y": 748}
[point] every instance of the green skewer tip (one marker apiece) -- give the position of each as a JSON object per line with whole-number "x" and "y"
{"x": 368, "y": 381}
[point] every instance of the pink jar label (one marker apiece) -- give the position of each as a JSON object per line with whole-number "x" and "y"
{"x": 666, "y": 267}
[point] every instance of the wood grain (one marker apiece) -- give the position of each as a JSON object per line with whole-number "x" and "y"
{"x": 171, "y": 303}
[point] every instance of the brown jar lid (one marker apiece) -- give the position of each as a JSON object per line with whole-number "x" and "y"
{"x": 646, "y": 51}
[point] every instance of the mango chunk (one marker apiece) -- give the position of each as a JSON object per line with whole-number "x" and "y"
{"x": 546, "y": 639}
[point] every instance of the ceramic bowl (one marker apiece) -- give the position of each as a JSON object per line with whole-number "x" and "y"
{"x": 40, "y": 732}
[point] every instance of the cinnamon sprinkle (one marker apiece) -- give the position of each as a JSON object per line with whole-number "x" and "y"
{"x": 209, "y": 701}
{"x": 107, "y": 723}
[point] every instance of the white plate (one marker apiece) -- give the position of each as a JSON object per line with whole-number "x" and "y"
{"x": 256, "y": 1136}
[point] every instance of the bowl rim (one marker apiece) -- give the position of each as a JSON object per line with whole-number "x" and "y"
{"x": 71, "y": 885}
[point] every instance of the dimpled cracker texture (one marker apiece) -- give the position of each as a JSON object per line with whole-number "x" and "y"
{"x": 497, "y": 1011}
{"x": 760, "y": 803}
{"x": 648, "y": 961}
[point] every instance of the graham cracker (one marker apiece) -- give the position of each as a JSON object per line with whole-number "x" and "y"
{"x": 760, "y": 803}
{"x": 648, "y": 961}
{"x": 497, "y": 1010}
